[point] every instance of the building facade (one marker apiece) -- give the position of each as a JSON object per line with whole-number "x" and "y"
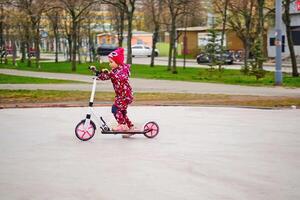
{"x": 198, "y": 37}
{"x": 295, "y": 26}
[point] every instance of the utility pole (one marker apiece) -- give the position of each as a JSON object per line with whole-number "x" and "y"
{"x": 184, "y": 41}
{"x": 1, "y": 25}
{"x": 278, "y": 43}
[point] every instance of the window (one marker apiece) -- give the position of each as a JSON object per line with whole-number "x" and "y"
{"x": 272, "y": 43}
{"x": 137, "y": 47}
{"x": 296, "y": 35}
{"x": 139, "y": 41}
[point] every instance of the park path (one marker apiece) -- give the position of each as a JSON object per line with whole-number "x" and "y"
{"x": 146, "y": 85}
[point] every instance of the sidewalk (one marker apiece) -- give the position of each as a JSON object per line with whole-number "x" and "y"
{"x": 146, "y": 85}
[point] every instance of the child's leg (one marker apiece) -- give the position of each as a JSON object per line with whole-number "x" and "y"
{"x": 118, "y": 114}
{"x": 127, "y": 120}
{"x": 121, "y": 115}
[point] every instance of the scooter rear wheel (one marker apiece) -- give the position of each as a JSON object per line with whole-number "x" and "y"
{"x": 85, "y": 135}
{"x": 151, "y": 129}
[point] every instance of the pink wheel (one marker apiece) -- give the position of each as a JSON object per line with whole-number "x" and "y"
{"x": 87, "y": 134}
{"x": 151, "y": 129}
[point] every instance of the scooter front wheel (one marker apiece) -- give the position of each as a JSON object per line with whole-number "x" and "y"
{"x": 151, "y": 129}
{"x": 83, "y": 134}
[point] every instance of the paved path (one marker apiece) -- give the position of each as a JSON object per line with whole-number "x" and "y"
{"x": 147, "y": 85}
{"x": 200, "y": 153}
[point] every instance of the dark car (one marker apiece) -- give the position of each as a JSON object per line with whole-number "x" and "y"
{"x": 227, "y": 57}
{"x": 105, "y": 49}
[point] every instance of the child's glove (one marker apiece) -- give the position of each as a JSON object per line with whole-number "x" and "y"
{"x": 105, "y": 70}
{"x": 94, "y": 69}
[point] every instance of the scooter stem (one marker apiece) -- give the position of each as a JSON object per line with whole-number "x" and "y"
{"x": 93, "y": 92}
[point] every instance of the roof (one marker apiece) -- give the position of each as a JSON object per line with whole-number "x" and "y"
{"x": 197, "y": 28}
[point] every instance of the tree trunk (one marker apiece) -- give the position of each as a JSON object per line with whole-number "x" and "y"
{"x": 28, "y": 44}
{"x": 79, "y": 47}
{"x": 7, "y": 39}
{"x": 174, "y": 70}
{"x": 154, "y": 41}
{"x": 223, "y": 31}
{"x": 23, "y": 51}
{"x": 261, "y": 4}
{"x": 69, "y": 51}
{"x": 37, "y": 47}
{"x": 91, "y": 45}
{"x": 56, "y": 44}
{"x": 174, "y": 46}
{"x": 74, "y": 45}
{"x": 121, "y": 29}
{"x": 129, "y": 36}
{"x": 287, "y": 20}
{"x": 14, "y": 52}
{"x": 246, "y": 56}
{"x": 1, "y": 32}
{"x": 79, "y": 44}
{"x": 29, "y": 55}
{"x": 170, "y": 50}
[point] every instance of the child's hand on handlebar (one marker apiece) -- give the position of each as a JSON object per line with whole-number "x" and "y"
{"x": 92, "y": 68}
{"x": 105, "y": 70}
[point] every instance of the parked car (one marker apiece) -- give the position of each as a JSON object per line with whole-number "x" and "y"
{"x": 142, "y": 50}
{"x": 31, "y": 52}
{"x": 9, "y": 50}
{"x": 206, "y": 58}
{"x": 105, "y": 49}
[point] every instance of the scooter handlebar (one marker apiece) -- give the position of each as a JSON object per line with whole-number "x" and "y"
{"x": 94, "y": 69}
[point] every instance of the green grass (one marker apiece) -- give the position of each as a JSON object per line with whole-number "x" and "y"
{"x": 228, "y": 76}
{"x": 11, "y": 79}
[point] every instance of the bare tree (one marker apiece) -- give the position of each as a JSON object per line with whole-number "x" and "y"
{"x": 2, "y": 43}
{"x": 76, "y": 9}
{"x": 242, "y": 20}
{"x": 54, "y": 16}
{"x": 261, "y": 5}
{"x": 176, "y": 9}
{"x": 118, "y": 20}
{"x": 34, "y": 10}
{"x": 128, "y": 7}
{"x": 155, "y": 9}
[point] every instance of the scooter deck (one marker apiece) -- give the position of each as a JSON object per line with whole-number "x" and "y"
{"x": 123, "y": 132}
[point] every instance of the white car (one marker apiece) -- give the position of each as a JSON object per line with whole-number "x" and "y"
{"x": 142, "y": 50}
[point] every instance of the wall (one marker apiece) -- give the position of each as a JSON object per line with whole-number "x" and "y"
{"x": 295, "y": 21}
{"x": 191, "y": 43}
{"x": 233, "y": 41}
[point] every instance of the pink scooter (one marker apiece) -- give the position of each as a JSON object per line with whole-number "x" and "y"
{"x": 86, "y": 128}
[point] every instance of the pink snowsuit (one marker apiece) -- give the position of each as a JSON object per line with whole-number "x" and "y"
{"x": 119, "y": 78}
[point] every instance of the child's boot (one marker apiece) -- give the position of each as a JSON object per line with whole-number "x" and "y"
{"x": 121, "y": 128}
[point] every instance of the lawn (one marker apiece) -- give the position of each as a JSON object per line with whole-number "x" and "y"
{"x": 11, "y": 79}
{"x": 13, "y": 98}
{"x": 227, "y": 76}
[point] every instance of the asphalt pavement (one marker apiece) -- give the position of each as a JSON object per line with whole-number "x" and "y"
{"x": 200, "y": 153}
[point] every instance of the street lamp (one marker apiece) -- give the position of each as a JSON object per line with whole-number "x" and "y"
{"x": 278, "y": 43}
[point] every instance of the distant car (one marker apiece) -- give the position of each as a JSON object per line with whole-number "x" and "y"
{"x": 142, "y": 50}
{"x": 9, "y": 50}
{"x": 205, "y": 57}
{"x": 105, "y": 49}
{"x": 31, "y": 52}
